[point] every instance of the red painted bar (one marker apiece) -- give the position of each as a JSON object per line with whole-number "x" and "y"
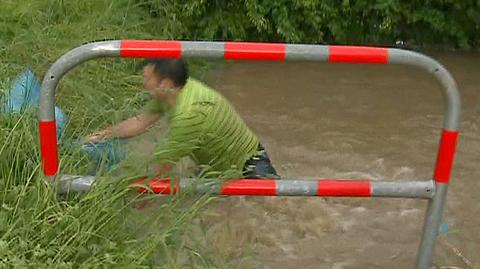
{"x": 446, "y": 154}
{"x": 268, "y": 187}
{"x": 350, "y": 188}
{"x": 265, "y": 187}
{"x": 158, "y": 186}
{"x": 150, "y": 49}
{"x": 48, "y": 147}
{"x": 360, "y": 55}
{"x": 255, "y": 51}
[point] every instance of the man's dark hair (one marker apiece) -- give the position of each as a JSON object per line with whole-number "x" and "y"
{"x": 174, "y": 69}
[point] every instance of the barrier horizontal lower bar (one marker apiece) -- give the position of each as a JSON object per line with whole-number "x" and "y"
{"x": 293, "y": 187}
{"x": 270, "y": 187}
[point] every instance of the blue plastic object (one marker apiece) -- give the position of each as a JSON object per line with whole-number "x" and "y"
{"x": 24, "y": 94}
{"x": 61, "y": 121}
{"x": 108, "y": 153}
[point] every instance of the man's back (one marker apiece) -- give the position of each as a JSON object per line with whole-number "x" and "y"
{"x": 204, "y": 125}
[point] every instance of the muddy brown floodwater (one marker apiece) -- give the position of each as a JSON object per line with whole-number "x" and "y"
{"x": 349, "y": 121}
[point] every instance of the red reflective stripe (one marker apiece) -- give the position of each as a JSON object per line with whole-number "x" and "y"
{"x": 353, "y": 54}
{"x": 150, "y": 49}
{"x": 254, "y": 51}
{"x": 48, "y": 147}
{"x": 446, "y": 153}
{"x": 140, "y": 182}
{"x": 158, "y": 186}
{"x": 250, "y": 187}
{"x": 358, "y": 188}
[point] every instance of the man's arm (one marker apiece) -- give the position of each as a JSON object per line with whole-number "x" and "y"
{"x": 128, "y": 128}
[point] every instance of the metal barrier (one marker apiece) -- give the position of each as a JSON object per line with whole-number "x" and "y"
{"x": 434, "y": 190}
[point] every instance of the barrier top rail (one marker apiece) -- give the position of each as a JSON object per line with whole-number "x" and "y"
{"x": 247, "y": 51}
{"x": 276, "y": 52}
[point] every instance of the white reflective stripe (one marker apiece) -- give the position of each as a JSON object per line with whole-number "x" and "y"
{"x": 307, "y": 52}
{"x": 203, "y": 49}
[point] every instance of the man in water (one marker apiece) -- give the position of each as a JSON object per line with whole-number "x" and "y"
{"x": 202, "y": 125}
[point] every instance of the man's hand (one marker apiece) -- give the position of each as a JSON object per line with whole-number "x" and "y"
{"x": 98, "y": 136}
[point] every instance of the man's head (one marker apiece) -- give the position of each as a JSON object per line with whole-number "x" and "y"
{"x": 162, "y": 76}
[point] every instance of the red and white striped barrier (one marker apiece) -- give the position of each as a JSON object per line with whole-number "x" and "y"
{"x": 292, "y": 187}
{"x": 252, "y": 51}
{"x": 435, "y": 190}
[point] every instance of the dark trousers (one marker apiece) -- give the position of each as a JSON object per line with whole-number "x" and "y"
{"x": 259, "y": 166}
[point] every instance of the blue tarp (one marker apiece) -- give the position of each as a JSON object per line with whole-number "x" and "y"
{"x": 24, "y": 94}
{"x": 108, "y": 153}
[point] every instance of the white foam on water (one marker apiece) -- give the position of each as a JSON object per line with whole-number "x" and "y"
{"x": 403, "y": 172}
{"x": 341, "y": 265}
{"x": 359, "y": 209}
{"x": 410, "y": 211}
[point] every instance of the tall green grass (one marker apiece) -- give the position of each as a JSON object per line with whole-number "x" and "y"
{"x": 103, "y": 228}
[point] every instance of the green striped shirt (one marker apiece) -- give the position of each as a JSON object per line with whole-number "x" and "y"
{"x": 206, "y": 127}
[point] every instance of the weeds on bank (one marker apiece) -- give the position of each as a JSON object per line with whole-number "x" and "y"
{"x": 102, "y": 228}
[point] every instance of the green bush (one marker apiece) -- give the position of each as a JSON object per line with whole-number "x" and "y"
{"x": 446, "y": 23}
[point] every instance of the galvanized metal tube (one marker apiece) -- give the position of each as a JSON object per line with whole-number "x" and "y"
{"x": 74, "y": 183}
{"x": 66, "y": 63}
{"x": 274, "y": 52}
{"x": 433, "y": 218}
{"x": 297, "y": 187}
{"x": 203, "y": 49}
{"x": 450, "y": 92}
{"x": 409, "y": 189}
{"x": 283, "y": 187}
{"x": 46, "y": 111}
{"x": 446, "y": 152}
{"x": 307, "y": 52}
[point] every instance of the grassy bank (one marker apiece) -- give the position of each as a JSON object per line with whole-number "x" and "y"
{"x": 101, "y": 229}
